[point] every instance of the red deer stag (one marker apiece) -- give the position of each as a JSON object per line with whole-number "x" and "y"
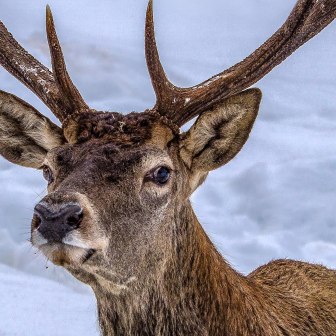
{"x": 117, "y": 215}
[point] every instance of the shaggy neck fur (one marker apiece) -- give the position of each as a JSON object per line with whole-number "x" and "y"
{"x": 197, "y": 293}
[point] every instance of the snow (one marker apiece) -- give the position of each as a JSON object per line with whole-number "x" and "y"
{"x": 275, "y": 199}
{"x": 39, "y": 307}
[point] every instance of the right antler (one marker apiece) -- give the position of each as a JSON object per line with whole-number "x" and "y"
{"x": 180, "y": 105}
{"x": 55, "y": 89}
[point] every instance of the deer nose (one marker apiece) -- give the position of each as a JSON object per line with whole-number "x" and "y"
{"x": 56, "y": 221}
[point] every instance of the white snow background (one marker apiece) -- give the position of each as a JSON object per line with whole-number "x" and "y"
{"x": 275, "y": 199}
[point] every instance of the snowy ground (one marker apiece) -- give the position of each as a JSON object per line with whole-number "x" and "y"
{"x": 39, "y": 307}
{"x": 276, "y": 199}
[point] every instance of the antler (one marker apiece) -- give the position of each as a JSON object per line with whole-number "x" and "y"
{"x": 72, "y": 96}
{"x": 180, "y": 105}
{"x": 55, "y": 89}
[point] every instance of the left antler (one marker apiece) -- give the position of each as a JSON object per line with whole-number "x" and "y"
{"x": 180, "y": 105}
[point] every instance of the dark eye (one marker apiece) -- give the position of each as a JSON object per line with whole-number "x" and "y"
{"x": 47, "y": 174}
{"x": 160, "y": 175}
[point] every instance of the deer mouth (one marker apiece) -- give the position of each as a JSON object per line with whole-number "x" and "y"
{"x": 89, "y": 254}
{"x": 64, "y": 254}
{"x": 71, "y": 250}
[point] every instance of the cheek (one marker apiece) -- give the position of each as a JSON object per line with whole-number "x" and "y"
{"x": 155, "y": 198}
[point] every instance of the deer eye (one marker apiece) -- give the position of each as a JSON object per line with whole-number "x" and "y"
{"x": 160, "y": 175}
{"x": 47, "y": 174}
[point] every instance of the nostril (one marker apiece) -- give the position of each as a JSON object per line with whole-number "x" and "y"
{"x": 43, "y": 212}
{"x": 75, "y": 219}
{"x": 39, "y": 216}
{"x": 36, "y": 221}
{"x": 39, "y": 210}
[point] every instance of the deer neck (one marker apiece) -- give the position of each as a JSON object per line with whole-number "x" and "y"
{"x": 192, "y": 295}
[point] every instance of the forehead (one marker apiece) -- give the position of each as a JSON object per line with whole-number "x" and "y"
{"x": 124, "y": 130}
{"x": 113, "y": 137}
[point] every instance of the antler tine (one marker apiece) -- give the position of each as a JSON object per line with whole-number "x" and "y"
{"x": 162, "y": 86}
{"x": 180, "y": 105}
{"x": 29, "y": 71}
{"x": 56, "y": 89}
{"x": 74, "y": 99}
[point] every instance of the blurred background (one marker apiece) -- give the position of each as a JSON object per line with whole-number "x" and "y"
{"x": 276, "y": 199}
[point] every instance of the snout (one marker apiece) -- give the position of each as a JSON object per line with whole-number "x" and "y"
{"x": 65, "y": 228}
{"x": 55, "y": 222}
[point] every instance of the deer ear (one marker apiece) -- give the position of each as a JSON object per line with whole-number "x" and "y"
{"x": 25, "y": 135}
{"x": 219, "y": 134}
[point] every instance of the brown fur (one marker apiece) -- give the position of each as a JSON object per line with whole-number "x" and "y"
{"x": 138, "y": 243}
{"x": 197, "y": 292}
{"x": 140, "y": 247}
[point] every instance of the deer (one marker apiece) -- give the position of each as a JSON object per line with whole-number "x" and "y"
{"x": 117, "y": 214}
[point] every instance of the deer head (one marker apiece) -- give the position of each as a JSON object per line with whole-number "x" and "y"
{"x": 118, "y": 185}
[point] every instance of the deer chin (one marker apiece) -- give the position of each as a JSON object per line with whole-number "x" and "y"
{"x": 72, "y": 251}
